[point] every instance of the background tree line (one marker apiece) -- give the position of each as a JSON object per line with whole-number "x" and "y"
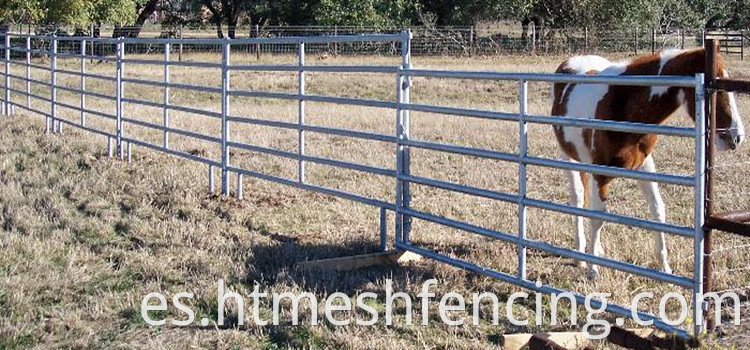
{"x": 129, "y": 16}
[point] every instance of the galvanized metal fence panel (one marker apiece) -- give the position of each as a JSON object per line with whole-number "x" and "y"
{"x": 402, "y": 141}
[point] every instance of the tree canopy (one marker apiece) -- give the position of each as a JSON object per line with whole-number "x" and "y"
{"x": 232, "y": 13}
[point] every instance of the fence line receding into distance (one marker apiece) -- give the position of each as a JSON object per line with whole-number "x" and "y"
{"x": 18, "y": 67}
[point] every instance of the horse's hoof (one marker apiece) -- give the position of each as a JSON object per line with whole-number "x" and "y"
{"x": 579, "y": 263}
{"x": 592, "y": 274}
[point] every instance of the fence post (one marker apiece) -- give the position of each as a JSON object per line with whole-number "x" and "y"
{"x": 742, "y": 45}
{"x": 522, "y": 150}
{"x": 28, "y": 72}
{"x": 402, "y": 135}
{"x": 50, "y": 122}
{"x": 167, "y": 50}
{"x": 6, "y": 51}
{"x": 699, "y": 205}
{"x": 710, "y": 151}
{"x": 335, "y": 44}
{"x": 471, "y": 41}
{"x": 257, "y": 45}
{"x": 653, "y": 40}
{"x": 586, "y": 39}
{"x": 301, "y": 112}
{"x": 179, "y": 56}
{"x": 225, "y": 52}
{"x": 682, "y": 38}
{"x": 533, "y": 37}
{"x": 83, "y": 83}
{"x": 119, "y": 94}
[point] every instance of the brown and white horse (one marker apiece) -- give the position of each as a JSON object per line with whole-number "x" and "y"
{"x": 640, "y": 104}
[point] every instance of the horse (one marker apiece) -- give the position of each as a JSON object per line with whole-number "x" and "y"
{"x": 640, "y": 104}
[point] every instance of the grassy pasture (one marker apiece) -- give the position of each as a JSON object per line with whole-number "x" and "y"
{"x": 86, "y": 238}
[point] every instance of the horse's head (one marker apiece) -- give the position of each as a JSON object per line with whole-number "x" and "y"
{"x": 729, "y": 126}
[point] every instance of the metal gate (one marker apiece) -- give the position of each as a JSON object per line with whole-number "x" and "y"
{"x": 76, "y": 50}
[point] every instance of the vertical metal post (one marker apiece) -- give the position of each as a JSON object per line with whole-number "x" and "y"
{"x": 109, "y": 147}
{"x": 698, "y": 205}
{"x": 83, "y": 83}
{"x": 167, "y": 50}
{"x": 710, "y": 149}
{"x": 522, "y": 150}
{"x": 225, "y": 51}
{"x": 120, "y": 67}
{"x": 383, "y": 230}
{"x": 211, "y": 187}
{"x": 301, "y": 112}
{"x": 240, "y": 188}
{"x": 28, "y": 72}
{"x": 6, "y": 49}
{"x": 402, "y": 134}
{"x": 49, "y": 122}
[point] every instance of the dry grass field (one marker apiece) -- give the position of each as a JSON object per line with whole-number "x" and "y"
{"x": 85, "y": 238}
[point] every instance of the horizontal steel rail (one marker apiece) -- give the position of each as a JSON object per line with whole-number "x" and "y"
{"x": 162, "y": 84}
{"x": 35, "y": 66}
{"x": 30, "y": 109}
{"x": 173, "y": 107}
{"x": 560, "y": 208}
{"x": 87, "y": 110}
{"x": 319, "y": 160}
{"x": 315, "y": 128}
{"x": 88, "y": 93}
{"x": 627, "y": 80}
{"x": 88, "y": 57}
{"x": 531, "y": 285}
{"x": 87, "y": 75}
{"x": 321, "y": 189}
{"x": 555, "y": 250}
{"x": 40, "y": 82}
{"x": 599, "y": 124}
{"x": 24, "y": 93}
{"x": 161, "y": 63}
{"x": 183, "y": 132}
{"x": 171, "y": 151}
{"x": 315, "y": 98}
{"x": 330, "y": 69}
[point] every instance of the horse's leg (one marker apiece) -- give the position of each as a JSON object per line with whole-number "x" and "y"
{"x": 656, "y": 204}
{"x": 598, "y": 192}
{"x": 577, "y": 192}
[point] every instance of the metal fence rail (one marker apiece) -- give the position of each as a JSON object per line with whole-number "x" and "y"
{"x": 401, "y": 141}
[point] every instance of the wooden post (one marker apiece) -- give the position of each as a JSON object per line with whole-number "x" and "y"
{"x": 682, "y": 39}
{"x": 710, "y": 110}
{"x": 471, "y": 41}
{"x": 533, "y": 38}
{"x": 653, "y": 40}
{"x": 586, "y": 39}
{"x": 335, "y": 45}
{"x": 742, "y": 45}
{"x": 257, "y": 46}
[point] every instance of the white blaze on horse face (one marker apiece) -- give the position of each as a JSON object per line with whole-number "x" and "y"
{"x": 583, "y": 100}
{"x": 736, "y": 129}
{"x": 664, "y": 58}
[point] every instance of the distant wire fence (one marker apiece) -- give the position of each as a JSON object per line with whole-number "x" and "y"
{"x": 428, "y": 40}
